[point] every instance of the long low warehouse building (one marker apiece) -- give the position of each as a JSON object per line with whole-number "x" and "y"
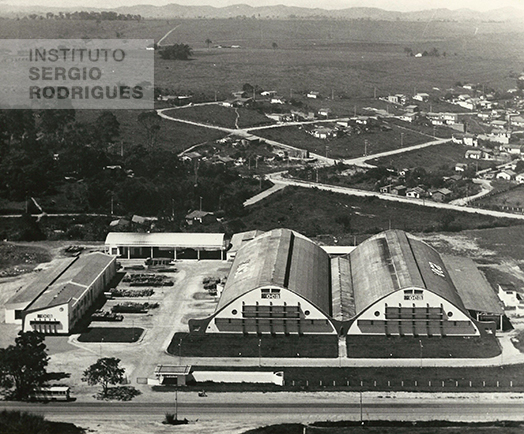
{"x": 391, "y": 284}
{"x": 58, "y": 298}
{"x": 174, "y": 245}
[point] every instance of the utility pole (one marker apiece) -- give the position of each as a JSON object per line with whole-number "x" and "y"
{"x": 200, "y": 203}
{"x": 401, "y": 140}
{"x": 374, "y": 93}
{"x": 332, "y": 94}
{"x": 361, "y": 415}
{"x": 216, "y": 96}
{"x": 112, "y": 207}
{"x": 365, "y": 148}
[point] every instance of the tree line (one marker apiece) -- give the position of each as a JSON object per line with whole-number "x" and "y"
{"x": 85, "y": 15}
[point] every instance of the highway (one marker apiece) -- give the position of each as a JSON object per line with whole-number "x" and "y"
{"x": 419, "y": 409}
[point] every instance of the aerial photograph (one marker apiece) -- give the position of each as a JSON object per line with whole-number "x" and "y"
{"x": 267, "y": 217}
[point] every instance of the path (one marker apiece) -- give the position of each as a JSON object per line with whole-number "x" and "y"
{"x": 279, "y": 179}
{"x": 264, "y": 194}
{"x": 167, "y": 34}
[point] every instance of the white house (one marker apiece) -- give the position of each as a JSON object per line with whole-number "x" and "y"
{"x": 313, "y": 95}
{"x": 506, "y": 175}
{"x": 520, "y": 178}
{"x": 424, "y": 97}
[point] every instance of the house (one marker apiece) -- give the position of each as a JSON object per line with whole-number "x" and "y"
{"x": 453, "y": 178}
{"x": 520, "y": 178}
{"x": 408, "y": 117}
{"x": 268, "y": 93}
{"x": 323, "y": 132}
{"x": 470, "y": 140}
{"x": 415, "y": 192}
{"x": 506, "y": 175}
{"x": 511, "y": 148}
{"x": 119, "y": 223}
{"x": 277, "y": 100}
{"x": 224, "y": 159}
{"x": 190, "y": 156}
{"x": 474, "y": 154}
{"x": 498, "y": 124}
{"x": 412, "y": 108}
{"x": 313, "y": 95}
{"x": 240, "y": 94}
{"x": 461, "y": 167}
{"x": 399, "y": 190}
{"x": 399, "y": 99}
{"x": 424, "y": 97}
{"x": 386, "y": 188}
{"x": 517, "y": 121}
{"x": 449, "y": 118}
{"x": 511, "y": 298}
{"x": 441, "y": 195}
{"x": 324, "y": 112}
{"x": 202, "y": 217}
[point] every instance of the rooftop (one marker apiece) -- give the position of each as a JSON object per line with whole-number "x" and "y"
{"x": 203, "y": 241}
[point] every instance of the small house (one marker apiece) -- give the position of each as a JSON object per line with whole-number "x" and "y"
{"x": 415, "y": 192}
{"x": 399, "y": 190}
{"x": 313, "y": 95}
{"x": 441, "y": 195}
{"x": 202, "y": 217}
{"x": 506, "y": 175}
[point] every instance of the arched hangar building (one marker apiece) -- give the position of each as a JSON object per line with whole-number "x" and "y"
{"x": 391, "y": 284}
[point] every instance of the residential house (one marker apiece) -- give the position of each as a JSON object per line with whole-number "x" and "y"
{"x": 324, "y": 112}
{"x": 511, "y": 148}
{"x": 412, "y": 108}
{"x": 498, "y": 124}
{"x": 415, "y": 192}
{"x": 399, "y": 190}
{"x": 277, "y": 100}
{"x": 313, "y": 95}
{"x": 520, "y": 178}
{"x": 470, "y": 139}
{"x": 441, "y": 195}
{"x": 190, "y": 156}
{"x": 386, "y": 188}
{"x": 461, "y": 167}
{"x": 399, "y": 99}
{"x": 511, "y": 298}
{"x": 424, "y": 97}
{"x": 517, "y": 121}
{"x": 240, "y": 94}
{"x": 268, "y": 93}
{"x": 474, "y": 154}
{"x": 506, "y": 175}
{"x": 323, "y": 132}
{"x": 201, "y": 217}
{"x": 408, "y": 117}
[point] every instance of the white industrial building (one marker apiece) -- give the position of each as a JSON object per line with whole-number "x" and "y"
{"x": 59, "y": 297}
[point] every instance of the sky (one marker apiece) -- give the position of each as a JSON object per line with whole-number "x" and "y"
{"x": 395, "y": 5}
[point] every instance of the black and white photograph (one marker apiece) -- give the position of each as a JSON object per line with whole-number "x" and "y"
{"x": 261, "y": 216}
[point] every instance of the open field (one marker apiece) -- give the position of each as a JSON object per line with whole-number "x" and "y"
{"x": 381, "y": 427}
{"x": 511, "y": 198}
{"x": 173, "y": 135}
{"x": 221, "y": 116}
{"x": 347, "y": 146}
{"x": 431, "y": 158}
{"x": 313, "y": 213}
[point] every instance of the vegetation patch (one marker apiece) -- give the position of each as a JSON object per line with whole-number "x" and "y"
{"x": 422, "y": 347}
{"x": 111, "y": 334}
{"x": 23, "y": 258}
{"x": 14, "y": 421}
{"x": 235, "y": 345}
{"x": 312, "y": 213}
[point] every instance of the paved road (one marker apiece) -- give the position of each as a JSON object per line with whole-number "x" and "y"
{"x": 419, "y": 409}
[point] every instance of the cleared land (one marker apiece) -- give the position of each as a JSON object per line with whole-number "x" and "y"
{"x": 221, "y": 116}
{"x": 511, "y": 198}
{"x": 313, "y": 213}
{"x": 431, "y": 158}
{"x": 346, "y": 146}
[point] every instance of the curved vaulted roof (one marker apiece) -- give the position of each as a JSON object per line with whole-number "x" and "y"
{"x": 394, "y": 260}
{"x": 284, "y": 259}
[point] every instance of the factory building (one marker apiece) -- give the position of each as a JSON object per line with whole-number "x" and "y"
{"x": 391, "y": 284}
{"x": 177, "y": 245}
{"x": 59, "y": 297}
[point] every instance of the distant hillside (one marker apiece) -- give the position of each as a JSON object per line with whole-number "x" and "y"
{"x": 281, "y": 12}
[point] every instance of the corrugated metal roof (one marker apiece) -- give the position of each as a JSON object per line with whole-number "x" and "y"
{"x": 40, "y": 283}
{"x": 284, "y": 259}
{"x": 188, "y": 240}
{"x": 341, "y": 289}
{"x": 73, "y": 281}
{"x": 394, "y": 260}
{"x": 472, "y": 286}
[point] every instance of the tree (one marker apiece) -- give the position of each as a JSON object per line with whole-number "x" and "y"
{"x": 208, "y": 42}
{"x": 107, "y": 127}
{"x": 408, "y": 51}
{"x": 23, "y": 365}
{"x": 151, "y": 122}
{"x": 176, "y": 52}
{"x": 274, "y": 45}
{"x": 105, "y": 371}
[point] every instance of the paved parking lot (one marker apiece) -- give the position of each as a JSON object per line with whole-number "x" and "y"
{"x": 184, "y": 300}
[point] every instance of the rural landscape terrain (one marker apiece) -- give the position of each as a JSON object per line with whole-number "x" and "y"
{"x": 338, "y": 126}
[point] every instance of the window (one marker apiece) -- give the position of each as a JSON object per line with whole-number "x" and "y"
{"x": 307, "y": 312}
{"x": 234, "y": 312}
{"x": 270, "y": 293}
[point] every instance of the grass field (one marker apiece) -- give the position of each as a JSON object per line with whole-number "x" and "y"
{"x": 234, "y": 345}
{"x": 511, "y": 198}
{"x": 382, "y": 427}
{"x": 22, "y": 256}
{"x": 313, "y": 213}
{"x": 421, "y": 347}
{"x": 430, "y": 158}
{"x": 111, "y": 334}
{"x": 507, "y": 242}
{"x": 347, "y": 146}
{"x": 173, "y": 135}
{"x": 222, "y": 116}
